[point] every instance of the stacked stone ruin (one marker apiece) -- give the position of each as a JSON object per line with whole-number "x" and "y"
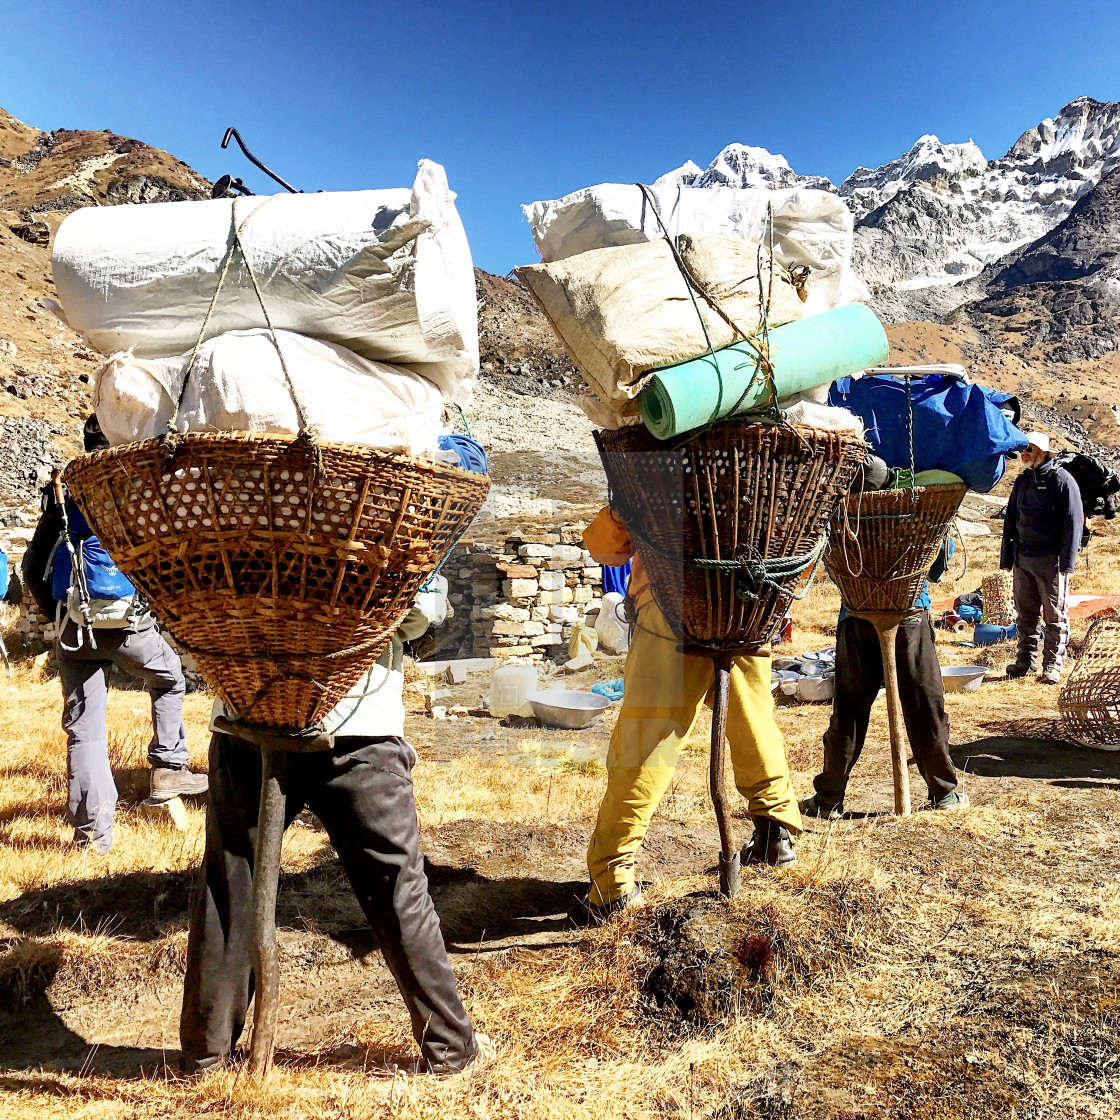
{"x": 523, "y": 598}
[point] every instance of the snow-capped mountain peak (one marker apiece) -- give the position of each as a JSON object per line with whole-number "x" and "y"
{"x": 867, "y": 188}
{"x": 743, "y": 165}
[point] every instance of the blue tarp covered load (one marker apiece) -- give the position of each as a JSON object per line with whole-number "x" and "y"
{"x": 958, "y": 426}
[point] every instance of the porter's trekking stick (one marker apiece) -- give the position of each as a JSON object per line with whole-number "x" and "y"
{"x": 729, "y": 851}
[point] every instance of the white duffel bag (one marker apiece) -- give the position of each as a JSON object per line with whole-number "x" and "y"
{"x": 385, "y": 273}
{"x": 237, "y": 384}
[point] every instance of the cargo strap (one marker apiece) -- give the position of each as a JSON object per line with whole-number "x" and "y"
{"x": 310, "y": 739}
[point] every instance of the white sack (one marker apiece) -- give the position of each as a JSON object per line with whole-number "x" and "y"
{"x": 806, "y": 414}
{"x": 811, "y": 228}
{"x": 626, "y": 310}
{"x": 237, "y": 385}
{"x": 385, "y": 273}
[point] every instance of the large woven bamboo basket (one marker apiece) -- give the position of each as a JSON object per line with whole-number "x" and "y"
{"x": 1090, "y": 699}
{"x": 998, "y": 592}
{"x": 283, "y": 574}
{"x": 883, "y": 543}
{"x": 739, "y": 491}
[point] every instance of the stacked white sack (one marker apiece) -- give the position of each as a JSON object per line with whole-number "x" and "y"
{"x": 237, "y": 384}
{"x": 385, "y": 273}
{"x": 812, "y": 229}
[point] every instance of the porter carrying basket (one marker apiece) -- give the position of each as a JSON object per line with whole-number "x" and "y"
{"x": 281, "y": 565}
{"x": 1090, "y": 700}
{"x": 728, "y": 522}
{"x": 883, "y": 543}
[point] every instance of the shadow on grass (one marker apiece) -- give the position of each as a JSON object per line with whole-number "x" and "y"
{"x": 1047, "y": 760}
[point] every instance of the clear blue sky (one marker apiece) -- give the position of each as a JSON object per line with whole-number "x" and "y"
{"x": 529, "y": 100}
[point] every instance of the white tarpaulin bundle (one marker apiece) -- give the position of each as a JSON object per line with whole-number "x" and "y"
{"x": 238, "y": 384}
{"x": 385, "y": 273}
{"x": 812, "y": 229}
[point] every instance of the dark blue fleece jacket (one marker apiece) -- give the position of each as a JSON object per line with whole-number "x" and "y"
{"x": 1044, "y": 517}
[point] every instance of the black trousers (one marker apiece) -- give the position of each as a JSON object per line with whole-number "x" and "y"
{"x": 362, "y": 792}
{"x": 859, "y": 676}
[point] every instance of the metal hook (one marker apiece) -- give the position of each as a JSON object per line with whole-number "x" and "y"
{"x": 253, "y": 159}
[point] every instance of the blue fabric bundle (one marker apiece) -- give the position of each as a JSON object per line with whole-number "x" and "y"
{"x": 616, "y": 578}
{"x": 471, "y": 455}
{"x": 958, "y": 427}
{"x": 612, "y": 690}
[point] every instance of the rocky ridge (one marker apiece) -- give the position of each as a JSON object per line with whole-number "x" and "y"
{"x": 930, "y": 222}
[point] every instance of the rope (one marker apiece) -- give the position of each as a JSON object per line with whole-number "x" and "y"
{"x": 306, "y": 434}
{"x": 762, "y": 362}
{"x": 756, "y": 574}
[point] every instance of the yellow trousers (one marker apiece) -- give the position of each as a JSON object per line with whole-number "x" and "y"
{"x": 663, "y": 691}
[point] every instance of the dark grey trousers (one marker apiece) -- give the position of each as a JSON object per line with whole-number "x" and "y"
{"x": 362, "y": 792}
{"x": 1041, "y": 604}
{"x": 83, "y": 672}
{"x": 859, "y": 676}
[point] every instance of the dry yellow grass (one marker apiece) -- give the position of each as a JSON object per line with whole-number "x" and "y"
{"x": 944, "y": 965}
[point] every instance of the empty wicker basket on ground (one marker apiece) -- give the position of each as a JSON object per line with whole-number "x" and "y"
{"x": 1090, "y": 699}
{"x": 282, "y": 567}
{"x": 998, "y": 591}
{"x": 879, "y": 553}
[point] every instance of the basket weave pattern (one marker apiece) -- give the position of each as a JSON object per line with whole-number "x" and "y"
{"x": 284, "y": 579}
{"x": 998, "y": 592}
{"x": 883, "y": 543}
{"x": 1090, "y": 699}
{"x": 739, "y": 490}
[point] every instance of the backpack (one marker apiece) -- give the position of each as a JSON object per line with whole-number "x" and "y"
{"x": 94, "y": 591}
{"x": 1096, "y": 480}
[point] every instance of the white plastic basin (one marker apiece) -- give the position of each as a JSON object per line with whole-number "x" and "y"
{"x": 963, "y": 678}
{"x": 567, "y": 708}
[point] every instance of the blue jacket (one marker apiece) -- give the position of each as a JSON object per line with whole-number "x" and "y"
{"x": 1044, "y": 517}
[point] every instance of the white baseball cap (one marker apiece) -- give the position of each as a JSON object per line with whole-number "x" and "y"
{"x": 1040, "y": 440}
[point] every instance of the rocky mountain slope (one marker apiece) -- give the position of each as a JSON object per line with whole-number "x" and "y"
{"x": 930, "y": 222}
{"x": 45, "y": 369}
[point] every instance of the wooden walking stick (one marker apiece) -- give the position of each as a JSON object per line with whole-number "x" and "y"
{"x": 886, "y": 625}
{"x": 729, "y": 869}
{"x": 266, "y": 878}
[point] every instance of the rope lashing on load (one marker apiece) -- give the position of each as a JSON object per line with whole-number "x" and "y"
{"x": 756, "y": 574}
{"x": 307, "y": 434}
{"x": 763, "y": 366}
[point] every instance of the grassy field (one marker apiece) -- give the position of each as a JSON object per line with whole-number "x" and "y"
{"x": 948, "y": 965}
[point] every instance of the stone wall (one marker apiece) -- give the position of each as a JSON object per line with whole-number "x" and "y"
{"x": 522, "y": 598}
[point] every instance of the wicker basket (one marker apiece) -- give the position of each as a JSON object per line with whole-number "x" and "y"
{"x": 1090, "y": 699}
{"x": 883, "y": 543}
{"x": 283, "y": 577}
{"x": 998, "y": 591}
{"x": 738, "y": 491}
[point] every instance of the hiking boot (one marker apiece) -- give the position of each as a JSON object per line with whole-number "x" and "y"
{"x": 484, "y": 1053}
{"x": 771, "y": 844}
{"x": 1017, "y": 669}
{"x": 587, "y": 914}
{"x": 952, "y": 800}
{"x": 816, "y": 809}
{"x": 1053, "y": 675}
{"x": 176, "y": 781}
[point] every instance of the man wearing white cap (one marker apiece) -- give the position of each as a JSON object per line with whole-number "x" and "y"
{"x": 1041, "y": 535}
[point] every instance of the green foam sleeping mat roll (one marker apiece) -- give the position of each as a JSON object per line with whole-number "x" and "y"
{"x": 804, "y": 354}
